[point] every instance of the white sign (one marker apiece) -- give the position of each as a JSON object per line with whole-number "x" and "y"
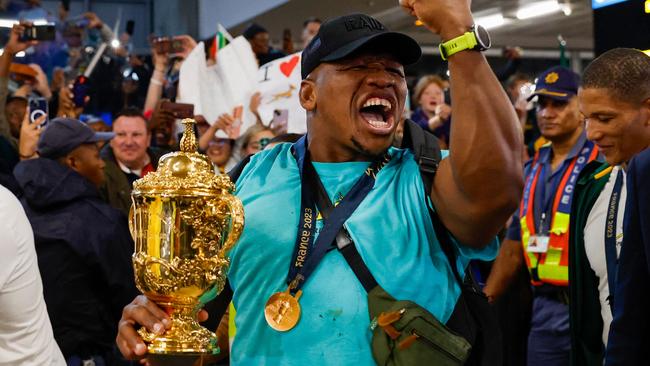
{"x": 279, "y": 83}
{"x": 218, "y": 89}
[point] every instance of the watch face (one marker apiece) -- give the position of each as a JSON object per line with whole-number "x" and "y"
{"x": 483, "y": 37}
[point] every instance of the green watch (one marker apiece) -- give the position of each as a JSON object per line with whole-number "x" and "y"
{"x": 477, "y": 39}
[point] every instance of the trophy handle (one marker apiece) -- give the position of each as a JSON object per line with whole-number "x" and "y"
{"x": 236, "y": 222}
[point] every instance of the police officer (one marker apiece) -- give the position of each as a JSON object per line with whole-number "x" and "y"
{"x": 539, "y": 233}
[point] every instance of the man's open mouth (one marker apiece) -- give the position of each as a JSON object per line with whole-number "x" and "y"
{"x": 378, "y": 112}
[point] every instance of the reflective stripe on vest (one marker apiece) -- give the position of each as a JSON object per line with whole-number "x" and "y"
{"x": 552, "y": 267}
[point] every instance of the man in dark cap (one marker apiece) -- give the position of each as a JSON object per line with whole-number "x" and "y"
{"x": 539, "y": 235}
{"x": 354, "y": 91}
{"x": 83, "y": 245}
{"x": 258, "y": 37}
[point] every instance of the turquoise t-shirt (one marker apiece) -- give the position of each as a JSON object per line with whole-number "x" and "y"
{"x": 392, "y": 231}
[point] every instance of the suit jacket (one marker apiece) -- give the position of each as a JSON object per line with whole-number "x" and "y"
{"x": 628, "y": 335}
{"x": 584, "y": 308}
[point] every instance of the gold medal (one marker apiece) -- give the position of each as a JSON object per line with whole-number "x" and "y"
{"x": 282, "y": 310}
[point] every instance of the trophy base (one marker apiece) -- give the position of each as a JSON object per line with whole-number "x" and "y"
{"x": 186, "y": 336}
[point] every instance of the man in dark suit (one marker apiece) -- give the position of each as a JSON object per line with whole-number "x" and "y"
{"x": 628, "y": 341}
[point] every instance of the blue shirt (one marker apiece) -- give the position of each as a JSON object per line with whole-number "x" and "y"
{"x": 393, "y": 234}
{"x": 422, "y": 120}
{"x": 546, "y": 188}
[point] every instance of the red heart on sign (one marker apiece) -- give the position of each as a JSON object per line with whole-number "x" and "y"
{"x": 288, "y": 66}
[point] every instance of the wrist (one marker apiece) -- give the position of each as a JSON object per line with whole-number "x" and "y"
{"x": 47, "y": 94}
{"x": 9, "y": 52}
{"x": 26, "y": 156}
{"x": 456, "y": 29}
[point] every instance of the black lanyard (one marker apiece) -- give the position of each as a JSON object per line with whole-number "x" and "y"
{"x": 610, "y": 236}
{"x": 305, "y": 256}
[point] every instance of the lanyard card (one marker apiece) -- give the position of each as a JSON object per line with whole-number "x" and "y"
{"x": 538, "y": 244}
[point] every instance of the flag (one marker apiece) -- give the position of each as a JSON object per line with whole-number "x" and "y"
{"x": 218, "y": 43}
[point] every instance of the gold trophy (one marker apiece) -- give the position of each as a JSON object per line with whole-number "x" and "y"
{"x": 183, "y": 220}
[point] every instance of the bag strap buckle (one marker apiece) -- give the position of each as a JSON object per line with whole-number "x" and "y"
{"x": 386, "y": 320}
{"x": 428, "y": 165}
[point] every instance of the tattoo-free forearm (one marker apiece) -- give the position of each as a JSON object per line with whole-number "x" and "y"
{"x": 484, "y": 165}
{"x": 504, "y": 269}
{"x": 154, "y": 93}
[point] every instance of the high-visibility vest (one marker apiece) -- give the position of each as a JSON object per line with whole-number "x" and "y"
{"x": 552, "y": 267}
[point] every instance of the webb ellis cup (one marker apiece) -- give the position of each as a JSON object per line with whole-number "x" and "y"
{"x": 184, "y": 219}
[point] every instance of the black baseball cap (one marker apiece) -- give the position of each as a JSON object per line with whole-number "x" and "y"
{"x": 62, "y": 135}
{"x": 558, "y": 82}
{"x": 341, "y": 37}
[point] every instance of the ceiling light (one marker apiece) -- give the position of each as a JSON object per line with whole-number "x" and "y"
{"x": 538, "y": 9}
{"x": 566, "y": 8}
{"x": 115, "y": 43}
{"x": 491, "y": 21}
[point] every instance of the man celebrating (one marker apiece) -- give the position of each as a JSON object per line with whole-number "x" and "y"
{"x": 354, "y": 92}
{"x": 539, "y": 230}
{"x": 615, "y": 101}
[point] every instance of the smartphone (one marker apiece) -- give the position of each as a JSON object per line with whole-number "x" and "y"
{"x": 130, "y": 26}
{"x": 280, "y": 121}
{"x": 80, "y": 90}
{"x": 235, "y": 129}
{"x": 21, "y": 72}
{"x": 37, "y": 108}
{"x": 179, "y": 110}
{"x": 167, "y": 45}
{"x": 45, "y": 32}
{"x": 447, "y": 96}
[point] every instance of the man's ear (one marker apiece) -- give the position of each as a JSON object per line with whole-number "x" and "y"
{"x": 308, "y": 95}
{"x": 70, "y": 161}
{"x": 646, "y": 105}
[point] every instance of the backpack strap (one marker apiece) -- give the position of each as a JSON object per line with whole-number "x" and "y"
{"x": 235, "y": 172}
{"x": 426, "y": 148}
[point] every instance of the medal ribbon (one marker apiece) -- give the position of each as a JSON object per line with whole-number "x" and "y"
{"x": 305, "y": 256}
{"x": 610, "y": 236}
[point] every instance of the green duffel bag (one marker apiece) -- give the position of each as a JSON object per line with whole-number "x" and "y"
{"x": 404, "y": 333}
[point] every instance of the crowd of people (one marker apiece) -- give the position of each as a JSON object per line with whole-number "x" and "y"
{"x": 538, "y": 199}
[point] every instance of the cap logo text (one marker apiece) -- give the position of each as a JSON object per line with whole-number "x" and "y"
{"x": 362, "y": 22}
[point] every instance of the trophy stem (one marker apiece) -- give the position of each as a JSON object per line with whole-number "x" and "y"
{"x": 185, "y": 337}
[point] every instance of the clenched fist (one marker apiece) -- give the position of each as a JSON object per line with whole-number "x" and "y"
{"x": 448, "y": 18}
